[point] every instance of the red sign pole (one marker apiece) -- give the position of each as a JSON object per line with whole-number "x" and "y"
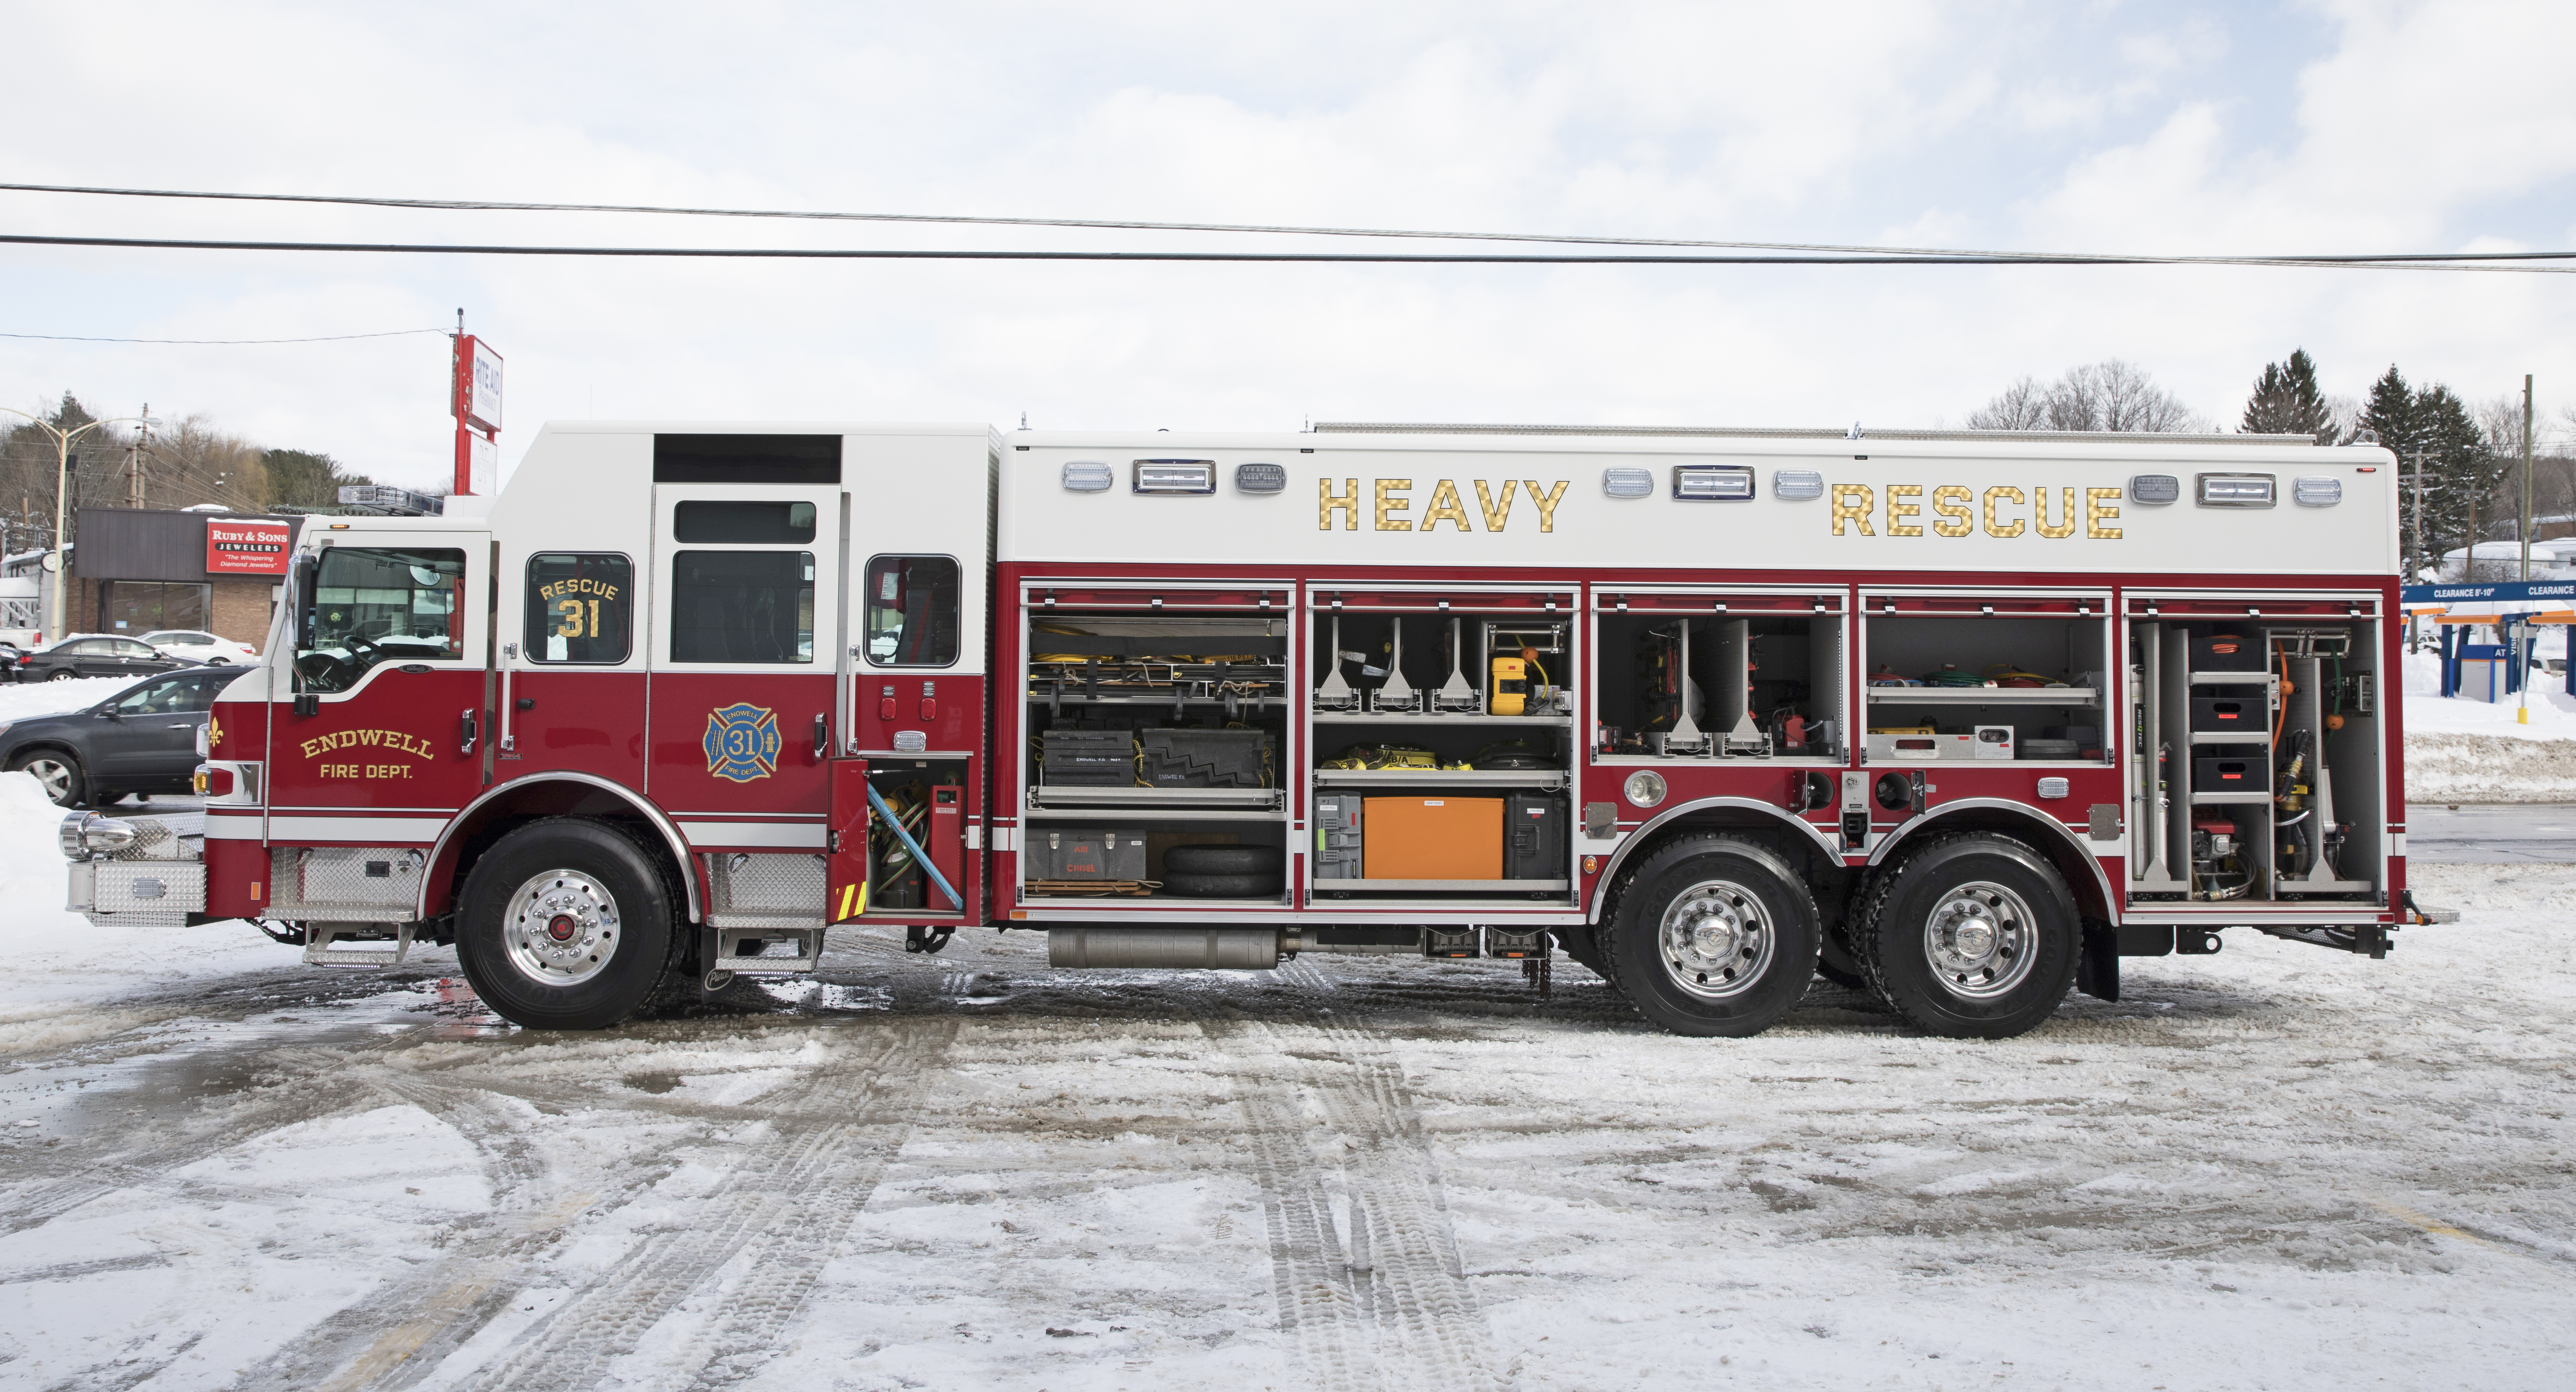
{"x": 477, "y": 412}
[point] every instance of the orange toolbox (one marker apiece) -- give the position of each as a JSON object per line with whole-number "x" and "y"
{"x": 1432, "y": 838}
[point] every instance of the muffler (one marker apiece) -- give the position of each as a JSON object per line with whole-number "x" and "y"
{"x": 1235, "y": 949}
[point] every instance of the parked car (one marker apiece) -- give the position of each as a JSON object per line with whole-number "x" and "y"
{"x": 98, "y": 655}
{"x": 201, "y": 646}
{"x": 143, "y": 739}
{"x": 10, "y": 656}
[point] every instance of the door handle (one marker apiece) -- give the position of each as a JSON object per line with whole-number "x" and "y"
{"x": 470, "y": 729}
{"x": 822, "y": 738}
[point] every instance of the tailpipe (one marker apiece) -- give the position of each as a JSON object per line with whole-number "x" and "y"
{"x": 1235, "y": 949}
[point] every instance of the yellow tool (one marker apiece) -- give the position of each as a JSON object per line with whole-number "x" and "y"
{"x": 1509, "y": 694}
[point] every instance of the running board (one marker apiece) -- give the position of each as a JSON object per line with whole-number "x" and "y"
{"x": 808, "y": 943}
{"x": 319, "y": 952}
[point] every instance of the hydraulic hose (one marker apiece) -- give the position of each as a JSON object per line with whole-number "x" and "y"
{"x": 919, "y": 856}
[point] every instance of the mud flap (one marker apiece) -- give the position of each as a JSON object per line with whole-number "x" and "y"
{"x": 845, "y": 871}
{"x": 2097, "y": 973}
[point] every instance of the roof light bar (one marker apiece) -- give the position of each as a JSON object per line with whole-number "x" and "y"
{"x": 1713, "y": 483}
{"x": 1088, "y": 476}
{"x": 1173, "y": 476}
{"x": 2236, "y": 490}
{"x": 1620, "y": 481}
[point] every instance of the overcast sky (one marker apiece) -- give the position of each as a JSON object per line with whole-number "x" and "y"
{"x": 2220, "y": 128}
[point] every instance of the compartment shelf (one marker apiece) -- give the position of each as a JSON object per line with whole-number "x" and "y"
{"x": 1442, "y": 886}
{"x": 2229, "y": 678}
{"x": 1147, "y": 799}
{"x": 1440, "y": 778}
{"x": 1160, "y": 814}
{"x": 2229, "y": 799}
{"x": 1461, "y": 722}
{"x": 2261, "y": 739}
{"x": 1981, "y": 695}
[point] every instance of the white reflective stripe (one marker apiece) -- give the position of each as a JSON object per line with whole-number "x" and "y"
{"x": 974, "y": 837}
{"x": 222, "y": 828}
{"x": 2397, "y": 843}
{"x": 365, "y": 831}
{"x": 790, "y": 835}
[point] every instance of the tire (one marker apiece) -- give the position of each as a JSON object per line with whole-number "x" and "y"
{"x": 1838, "y": 962}
{"x": 1973, "y": 936}
{"x": 61, "y": 775}
{"x": 1223, "y": 860}
{"x": 1262, "y": 886}
{"x": 62, "y": 674}
{"x": 1711, "y": 935}
{"x": 1578, "y": 943}
{"x": 568, "y": 923}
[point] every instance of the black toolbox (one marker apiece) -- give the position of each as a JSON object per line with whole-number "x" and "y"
{"x": 2232, "y": 715}
{"x": 2228, "y": 771}
{"x": 1534, "y": 836}
{"x": 1186, "y": 758}
{"x": 1087, "y": 758}
{"x": 2225, "y": 648}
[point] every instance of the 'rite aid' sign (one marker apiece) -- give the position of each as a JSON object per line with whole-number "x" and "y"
{"x": 478, "y": 383}
{"x": 247, "y": 548}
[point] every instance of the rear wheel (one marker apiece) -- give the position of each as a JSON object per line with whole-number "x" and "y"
{"x": 1711, "y": 936}
{"x": 1971, "y": 937}
{"x": 62, "y": 674}
{"x": 568, "y": 924}
{"x": 58, "y": 773}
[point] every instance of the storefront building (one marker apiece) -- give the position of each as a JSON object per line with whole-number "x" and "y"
{"x": 137, "y": 570}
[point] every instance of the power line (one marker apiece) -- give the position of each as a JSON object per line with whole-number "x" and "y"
{"x": 226, "y": 342}
{"x": 1893, "y": 255}
{"x": 2401, "y": 261}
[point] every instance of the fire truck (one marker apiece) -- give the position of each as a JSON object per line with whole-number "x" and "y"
{"x": 1960, "y": 718}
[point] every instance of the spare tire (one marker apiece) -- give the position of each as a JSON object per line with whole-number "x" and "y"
{"x": 1261, "y": 861}
{"x": 1264, "y": 886}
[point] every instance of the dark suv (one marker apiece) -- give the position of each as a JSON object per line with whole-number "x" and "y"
{"x": 140, "y": 740}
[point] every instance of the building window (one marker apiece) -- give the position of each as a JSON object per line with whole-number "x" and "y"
{"x": 141, "y": 606}
{"x": 742, "y": 606}
{"x": 912, "y": 611}
{"x": 580, "y": 608}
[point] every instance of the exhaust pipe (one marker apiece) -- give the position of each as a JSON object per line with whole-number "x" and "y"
{"x": 1236, "y": 949}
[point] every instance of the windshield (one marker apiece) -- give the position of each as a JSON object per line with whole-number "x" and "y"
{"x": 371, "y": 606}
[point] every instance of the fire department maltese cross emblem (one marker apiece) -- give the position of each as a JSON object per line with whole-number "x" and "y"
{"x": 742, "y": 742}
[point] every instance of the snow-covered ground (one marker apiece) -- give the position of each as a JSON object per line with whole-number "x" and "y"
{"x": 2280, "y": 1166}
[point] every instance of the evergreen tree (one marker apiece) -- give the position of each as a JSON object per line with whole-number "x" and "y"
{"x": 303, "y": 479}
{"x": 2286, "y": 401}
{"x": 2457, "y": 456}
{"x": 2390, "y": 415}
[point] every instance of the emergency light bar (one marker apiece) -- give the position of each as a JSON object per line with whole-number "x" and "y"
{"x": 1088, "y": 476}
{"x": 1173, "y": 476}
{"x": 2314, "y": 491}
{"x": 1713, "y": 483}
{"x": 2236, "y": 490}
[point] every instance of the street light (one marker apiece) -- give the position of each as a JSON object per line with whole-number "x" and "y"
{"x": 62, "y": 502}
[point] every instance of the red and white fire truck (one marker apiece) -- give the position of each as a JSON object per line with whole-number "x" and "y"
{"x": 1964, "y": 718}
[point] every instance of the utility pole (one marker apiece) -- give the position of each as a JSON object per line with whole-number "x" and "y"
{"x": 2525, "y": 532}
{"x": 62, "y": 507}
{"x": 134, "y": 458}
{"x": 2419, "y": 511}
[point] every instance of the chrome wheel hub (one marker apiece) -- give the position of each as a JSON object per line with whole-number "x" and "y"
{"x": 1715, "y": 940}
{"x": 1981, "y": 940}
{"x": 561, "y": 928}
{"x": 54, "y": 776}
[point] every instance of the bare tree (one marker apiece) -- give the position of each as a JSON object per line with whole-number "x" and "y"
{"x": 2344, "y": 412}
{"x": 2110, "y": 395}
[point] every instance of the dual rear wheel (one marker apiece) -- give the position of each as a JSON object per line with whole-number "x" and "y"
{"x": 1969, "y": 936}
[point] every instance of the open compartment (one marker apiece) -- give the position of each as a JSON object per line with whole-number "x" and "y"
{"x": 928, "y": 799}
{"x": 2260, "y": 751}
{"x": 1720, "y": 676}
{"x": 1155, "y": 721}
{"x": 1443, "y": 746}
{"x": 1986, "y": 679}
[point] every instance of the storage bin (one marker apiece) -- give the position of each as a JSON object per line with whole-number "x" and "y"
{"x": 1204, "y": 758}
{"x": 2231, "y": 715}
{"x": 2217, "y": 648}
{"x": 1087, "y": 758}
{"x": 2231, "y": 774}
{"x": 1432, "y": 838}
{"x": 1087, "y": 853}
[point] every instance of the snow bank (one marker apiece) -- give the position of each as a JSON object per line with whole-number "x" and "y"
{"x": 21, "y": 700}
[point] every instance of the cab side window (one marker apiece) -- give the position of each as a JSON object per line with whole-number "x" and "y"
{"x": 742, "y": 606}
{"x": 370, "y": 606}
{"x": 912, "y": 611}
{"x": 580, "y": 608}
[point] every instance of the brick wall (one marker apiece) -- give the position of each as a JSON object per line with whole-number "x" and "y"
{"x": 242, "y": 609}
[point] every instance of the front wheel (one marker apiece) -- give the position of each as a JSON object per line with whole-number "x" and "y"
{"x": 1712, "y": 936}
{"x": 1971, "y": 937}
{"x": 62, "y": 674}
{"x": 568, "y": 924}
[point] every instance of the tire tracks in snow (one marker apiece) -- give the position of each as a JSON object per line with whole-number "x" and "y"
{"x": 1364, "y": 1263}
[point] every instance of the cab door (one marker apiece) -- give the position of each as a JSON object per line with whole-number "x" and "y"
{"x": 389, "y": 718}
{"x": 745, "y": 644}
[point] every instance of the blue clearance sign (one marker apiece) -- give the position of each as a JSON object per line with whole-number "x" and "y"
{"x": 2562, "y": 592}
